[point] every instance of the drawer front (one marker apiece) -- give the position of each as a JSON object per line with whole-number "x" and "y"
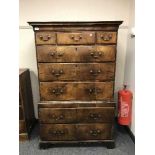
{"x": 76, "y": 91}
{"x": 94, "y": 131}
{"x": 96, "y": 115}
{"x": 55, "y": 71}
{"x": 21, "y": 115}
{"x": 94, "y": 91}
{"x": 106, "y": 37}
{"x": 57, "y": 132}
{"x": 95, "y": 71}
{"x": 46, "y": 53}
{"x": 50, "y": 53}
{"x": 57, "y": 115}
{"x": 76, "y": 38}
{"x": 57, "y": 91}
{"x": 72, "y": 71}
{"x": 45, "y": 38}
{"x": 22, "y": 126}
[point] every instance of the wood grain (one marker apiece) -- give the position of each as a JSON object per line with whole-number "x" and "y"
{"x": 95, "y": 114}
{"x": 57, "y": 115}
{"x": 57, "y": 132}
{"x": 76, "y": 38}
{"x": 94, "y": 131}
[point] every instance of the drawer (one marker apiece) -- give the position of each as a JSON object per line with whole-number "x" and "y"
{"x": 76, "y": 91}
{"x": 21, "y": 115}
{"x": 106, "y": 37}
{"x": 94, "y": 91}
{"x": 57, "y": 91}
{"x": 76, "y": 38}
{"x": 94, "y": 131}
{"x": 51, "y": 53}
{"x": 22, "y": 126}
{"x": 96, "y": 115}
{"x": 46, "y": 53}
{"x": 57, "y": 132}
{"x": 45, "y": 37}
{"x": 57, "y": 115}
{"x": 55, "y": 71}
{"x": 95, "y": 71}
{"x": 76, "y": 72}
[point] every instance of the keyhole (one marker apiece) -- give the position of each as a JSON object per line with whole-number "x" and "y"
{"x": 76, "y": 48}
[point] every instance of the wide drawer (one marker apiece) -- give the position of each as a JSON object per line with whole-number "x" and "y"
{"x": 94, "y": 131}
{"x": 57, "y": 132}
{"x": 57, "y": 115}
{"x": 106, "y": 37}
{"x": 45, "y": 38}
{"x": 76, "y": 72}
{"x": 95, "y": 115}
{"x": 76, "y": 91}
{"x": 76, "y": 38}
{"x": 49, "y": 53}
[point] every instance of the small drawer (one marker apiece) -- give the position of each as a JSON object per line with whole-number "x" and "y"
{"x": 22, "y": 126}
{"x": 45, "y": 38}
{"x": 94, "y": 131}
{"x": 21, "y": 115}
{"x": 57, "y": 115}
{"x": 76, "y": 38}
{"x": 96, "y": 115}
{"x": 57, "y": 132}
{"x": 106, "y": 37}
{"x": 46, "y": 53}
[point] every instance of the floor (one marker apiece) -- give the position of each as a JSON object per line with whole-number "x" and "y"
{"x": 124, "y": 146}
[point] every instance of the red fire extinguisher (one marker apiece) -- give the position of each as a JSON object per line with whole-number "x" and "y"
{"x": 124, "y": 106}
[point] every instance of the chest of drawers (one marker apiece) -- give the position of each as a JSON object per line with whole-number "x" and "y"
{"x": 76, "y": 71}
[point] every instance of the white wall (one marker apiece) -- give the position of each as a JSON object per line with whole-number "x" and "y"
{"x": 129, "y": 73}
{"x": 70, "y": 10}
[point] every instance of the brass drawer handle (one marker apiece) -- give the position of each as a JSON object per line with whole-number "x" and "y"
{"x": 60, "y": 117}
{"x": 57, "y": 73}
{"x": 94, "y": 90}
{"x": 106, "y": 37}
{"x": 56, "y": 91}
{"x": 95, "y": 116}
{"x": 95, "y": 73}
{"x": 45, "y": 38}
{"x": 95, "y": 132}
{"x": 91, "y": 91}
{"x": 76, "y": 38}
{"x": 56, "y": 132}
{"x": 52, "y": 54}
{"x": 96, "y": 55}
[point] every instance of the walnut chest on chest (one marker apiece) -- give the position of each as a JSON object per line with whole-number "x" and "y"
{"x": 76, "y": 70}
